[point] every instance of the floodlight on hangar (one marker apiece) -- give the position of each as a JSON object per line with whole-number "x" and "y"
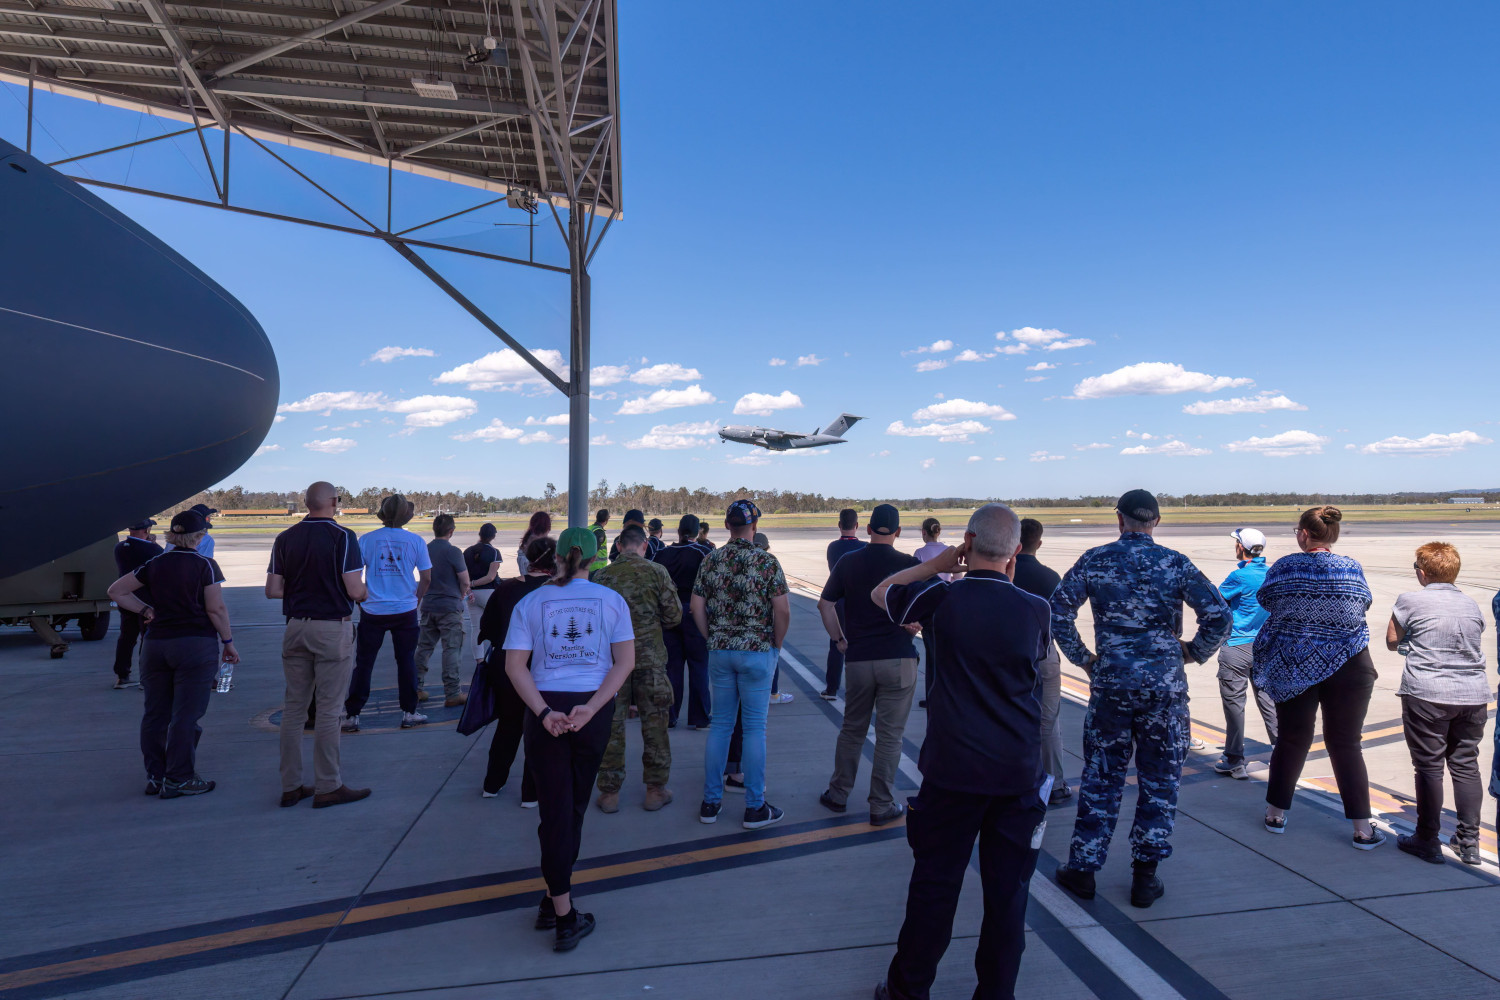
{"x": 391, "y": 83}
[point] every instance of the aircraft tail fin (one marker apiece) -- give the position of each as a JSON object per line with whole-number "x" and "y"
{"x": 840, "y": 426}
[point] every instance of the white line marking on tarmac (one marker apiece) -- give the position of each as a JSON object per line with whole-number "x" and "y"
{"x": 1143, "y": 980}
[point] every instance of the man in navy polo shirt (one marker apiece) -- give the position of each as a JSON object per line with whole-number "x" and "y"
{"x": 316, "y": 571}
{"x": 133, "y": 552}
{"x": 981, "y": 760}
{"x": 841, "y": 546}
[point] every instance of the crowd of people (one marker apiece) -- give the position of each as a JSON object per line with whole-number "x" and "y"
{"x": 591, "y": 633}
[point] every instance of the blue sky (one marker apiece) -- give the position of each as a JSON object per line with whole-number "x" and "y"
{"x": 1045, "y": 249}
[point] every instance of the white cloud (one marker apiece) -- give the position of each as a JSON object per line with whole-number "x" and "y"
{"x": 663, "y": 374}
{"x": 936, "y": 347}
{"x": 958, "y": 431}
{"x": 931, "y": 366}
{"x": 326, "y": 402}
{"x": 971, "y": 355}
{"x": 1035, "y": 378}
{"x": 999, "y": 458}
{"x": 504, "y": 370}
{"x": 388, "y": 354}
{"x": 673, "y": 437}
{"x": 1281, "y": 445}
{"x": 1179, "y": 449}
{"x": 884, "y": 453}
{"x": 330, "y": 446}
{"x": 556, "y": 420}
{"x": 975, "y": 458}
{"x": 265, "y": 448}
{"x": 538, "y": 437}
{"x": 950, "y": 409}
{"x": 1046, "y": 456}
{"x": 764, "y": 404}
{"x": 809, "y": 359}
{"x": 1139, "y": 434}
{"x": 600, "y": 439}
{"x": 433, "y": 411}
{"x": 1012, "y": 348}
{"x": 602, "y": 375}
{"x": 667, "y": 399}
{"x": 495, "y": 430}
{"x": 278, "y": 419}
{"x": 1028, "y": 337}
{"x": 1094, "y": 446}
{"x": 928, "y": 463}
{"x": 753, "y": 459}
{"x": 1263, "y": 402}
{"x": 1040, "y": 366}
{"x": 1430, "y": 444}
{"x": 777, "y": 362}
{"x": 1069, "y": 344}
{"x": 1152, "y": 378}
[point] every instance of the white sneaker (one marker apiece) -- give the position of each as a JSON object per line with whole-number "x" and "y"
{"x": 410, "y": 719}
{"x": 487, "y": 795}
{"x": 349, "y": 724}
{"x": 528, "y": 805}
{"x": 783, "y": 698}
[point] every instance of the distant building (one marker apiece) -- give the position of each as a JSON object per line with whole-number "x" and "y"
{"x": 1466, "y": 500}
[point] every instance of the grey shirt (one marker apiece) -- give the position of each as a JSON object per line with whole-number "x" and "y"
{"x": 1446, "y": 661}
{"x": 447, "y": 562}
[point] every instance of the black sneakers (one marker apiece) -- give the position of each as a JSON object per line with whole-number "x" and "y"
{"x": 1145, "y": 887}
{"x": 827, "y": 801}
{"x": 759, "y": 819}
{"x": 1079, "y": 883}
{"x": 572, "y": 929}
{"x": 1374, "y": 840}
{"x": 709, "y": 812}
{"x": 546, "y": 914}
{"x": 193, "y": 786}
{"x": 153, "y": 785}
{"x": 1432, "y": 853}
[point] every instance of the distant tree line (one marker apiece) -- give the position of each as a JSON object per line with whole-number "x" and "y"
{"x": 619, "y": 497}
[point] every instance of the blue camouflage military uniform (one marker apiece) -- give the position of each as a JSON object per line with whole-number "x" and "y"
{"x": 1138, "y": 697}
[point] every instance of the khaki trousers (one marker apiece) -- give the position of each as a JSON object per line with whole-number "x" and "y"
{"x": 317, "y": 658}
{"x": 883, "y": 689}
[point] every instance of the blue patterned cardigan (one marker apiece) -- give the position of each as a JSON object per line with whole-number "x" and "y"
{"x": 1317, "y": 603}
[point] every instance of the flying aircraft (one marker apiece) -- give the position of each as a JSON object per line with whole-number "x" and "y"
{"x": 774, "y": 440}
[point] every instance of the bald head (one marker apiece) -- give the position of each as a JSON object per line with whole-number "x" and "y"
{"x": 322, "y": 499}
{"x": 996, "y": 532}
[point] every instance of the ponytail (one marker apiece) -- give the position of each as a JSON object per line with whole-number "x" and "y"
{"x": 571, "y": 566}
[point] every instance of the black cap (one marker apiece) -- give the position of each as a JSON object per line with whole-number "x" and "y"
{"x": 204, "y": 509}
{"x": 688, "y": 525}
{"x": 1139, "y": 505}
{"x": 633, "y": 516}
{"x": 654, "y": 524}
{"x": 185, "y": 522}
{"x": 742, "y": 512}
{"x": 885, "y": 519}
{"x": 142, "y": 525}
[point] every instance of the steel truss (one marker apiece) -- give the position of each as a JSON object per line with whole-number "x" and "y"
{"x": 558, "y": 46}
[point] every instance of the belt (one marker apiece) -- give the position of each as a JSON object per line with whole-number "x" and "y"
{"x": 294, "y": 618}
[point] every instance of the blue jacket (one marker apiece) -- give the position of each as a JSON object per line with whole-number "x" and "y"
{"x": 1239, "y": 589}
{"x": 1137, "y": 589}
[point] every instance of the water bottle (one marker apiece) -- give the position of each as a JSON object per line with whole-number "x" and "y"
{"x": 226, "y": 677}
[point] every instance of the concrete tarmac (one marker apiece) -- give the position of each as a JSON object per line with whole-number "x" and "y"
{"x": 426, "y": 890}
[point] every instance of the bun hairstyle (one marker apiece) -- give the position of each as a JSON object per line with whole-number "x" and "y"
{"x": 542, "y": 554}
{"x": 1321, "y": 523}
{"x": 395, "y": 510}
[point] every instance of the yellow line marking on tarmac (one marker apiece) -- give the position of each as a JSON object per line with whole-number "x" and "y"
{"x": 418, "y": 904}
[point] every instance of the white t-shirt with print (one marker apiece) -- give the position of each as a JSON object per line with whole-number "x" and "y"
{"x": 568, "y": 631}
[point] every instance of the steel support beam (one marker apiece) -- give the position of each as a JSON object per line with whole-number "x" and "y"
{"x": 327, "y": 94}
{"x": 307, "y": 36}
{"x": 440, "y": 140}
{"x": 305, "y": 123}
{"x": 168, "y": 31}
{"x": 578, "y": 373}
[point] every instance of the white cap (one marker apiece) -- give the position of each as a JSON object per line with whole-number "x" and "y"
{"x": 1250, "y": 538}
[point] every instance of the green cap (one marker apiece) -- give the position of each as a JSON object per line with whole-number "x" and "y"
{"x": 580, "y": 538}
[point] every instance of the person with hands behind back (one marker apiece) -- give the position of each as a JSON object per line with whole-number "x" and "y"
{"x": 580, "y": 644}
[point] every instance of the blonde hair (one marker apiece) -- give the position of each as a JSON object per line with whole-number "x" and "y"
{"x": 186, "y": 539}
{"x": 1439, "y": 562}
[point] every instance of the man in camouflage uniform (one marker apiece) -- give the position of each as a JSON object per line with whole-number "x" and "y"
{"x": 1138, "y": 694}
{"x": 654, "y": 605}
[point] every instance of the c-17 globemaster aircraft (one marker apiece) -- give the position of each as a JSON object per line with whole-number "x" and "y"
{"x": 774, "y": 440}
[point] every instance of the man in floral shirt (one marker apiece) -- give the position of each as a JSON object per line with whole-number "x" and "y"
{"x": 740, "y": 602}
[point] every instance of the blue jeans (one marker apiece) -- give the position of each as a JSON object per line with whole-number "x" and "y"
{"x": 741, "y": 683}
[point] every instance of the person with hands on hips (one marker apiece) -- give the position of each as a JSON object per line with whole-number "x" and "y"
{"x": 580, "y": 644}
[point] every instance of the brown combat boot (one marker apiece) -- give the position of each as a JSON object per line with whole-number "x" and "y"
{"x": 455, "y": 701}
{"x": 609, "y": 802}
{"x": 656, "y": 797}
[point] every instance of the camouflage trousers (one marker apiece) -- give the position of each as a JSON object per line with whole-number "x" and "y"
{"x": 1154, "y": 725}
{"x": 649, "y": 690}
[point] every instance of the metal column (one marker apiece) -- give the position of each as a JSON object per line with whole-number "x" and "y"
{"x": 578, "y": 372}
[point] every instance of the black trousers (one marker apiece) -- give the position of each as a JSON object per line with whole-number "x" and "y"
{"x": 369, "y": 635}
{"x": 130, "y": 634}
{"x": 834, "y": 667}
{"x": 510, "y": 723}
{"x": 941, "y": 828}
{"x": 1344, "y": 697}
{"x": 686, "y": 648}
{"x": 177, "y": 676}
{"x": 929, "y": 658}
{"x": 564, "y": 768}
{"x": 1436, "y": 734}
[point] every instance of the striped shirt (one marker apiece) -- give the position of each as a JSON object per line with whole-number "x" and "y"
{"x": 1315, "y": 604}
